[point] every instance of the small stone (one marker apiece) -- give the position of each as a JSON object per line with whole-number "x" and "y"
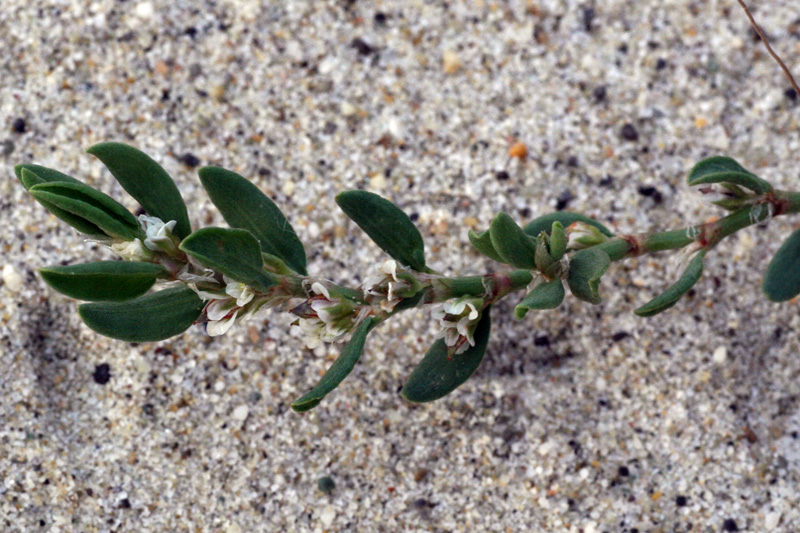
{"x": 288, "y": 187}
{"x": 240, "y": 413}
{"x": 450, "y": 62}
{"x": 361, "y": 46}
{"x": 12, "y": 279}
{"x": 600, "y": 93}
{"x": 102, "y": 374}
{"x": 420, "y": 474}
{"x": 680, "y": 501}
{"x": 377, "y": 181}
{"x": 145, "y": 10}
{"x": 8, "y": 147}
{"x": 518, "y": 150}
{"x": 629, "y": 133}
{"x": 19, "y": 125}
{"x": 661, "y": 64}
{"x": 771, "y": 520}
{"x": 720, "y": 355}
{"x": 729, "y": 525}
{"x": 326, "y": 484}
{"x": 190, "y": 160}
{"x": 501, "y": 175}
{"x": 327, "y": 516}
{"x": 161, "y": 68}
{"x": 623, "y": 471}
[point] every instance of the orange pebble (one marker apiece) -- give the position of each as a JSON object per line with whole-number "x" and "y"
{"x": 518, "y": 150}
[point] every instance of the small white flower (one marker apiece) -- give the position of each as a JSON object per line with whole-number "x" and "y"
{"x": 384, "y": 281}
{"x": 582, "y": 235}
{"x": 158, "y": 234}
{"x": 132, "y": 250}
{"x": 458, "y": 319}
{"x": 238, "y": 290}
{"x": 319, "y": 288}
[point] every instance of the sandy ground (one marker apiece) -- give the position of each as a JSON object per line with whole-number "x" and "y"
{"x": 582, "y": 419}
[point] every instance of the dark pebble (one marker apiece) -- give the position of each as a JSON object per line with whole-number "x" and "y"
{"x": 661, "y": 64}
{"x": 729, "y": 525}
{"x": 361, "y": 46}
{"x": 651, "y": 192}
{"x": 600, "y": 93}
{"x": 623, "y": 471}
{"x": 588, "y": 18}
{"x": 8, "y": 147}
{"x": 326, "y": 484}
{"x": 618, "y": 336}
{"x": 102, "y": 374}
{"x": 791, "y": 94}
{"x": 19, "y": 125}
{"x": 379, "y": 18}
{"x": 563, "y": 200}
{"x": 629, "y": 133}
{"x": 680, "y": 501}
{"x": 190, "y": 160}
{"x": 125, "y": 504}
{"x": 502, "y": 175}
{"x": 572, "y": 161}
{"x": 607, "y": 181}
{"x": 541, "y": 340}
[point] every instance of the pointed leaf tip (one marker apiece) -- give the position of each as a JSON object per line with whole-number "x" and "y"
{"x": 339, "y": 370}
{"x": 146, "y": 181}
{"x": 244, "y": 206}
{"x": 387, "y": 225}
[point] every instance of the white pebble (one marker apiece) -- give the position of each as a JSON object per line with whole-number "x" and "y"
{"x": 771, "y": 520}
{"x": 12, "y": 279}
{"x": 145, "y": 10}
{"x": 240, "y": 413}
{"x": 327, "y": 516}
{"x": 720, "y": 355}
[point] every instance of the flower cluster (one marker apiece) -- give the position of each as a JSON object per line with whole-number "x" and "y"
{"x": 458, "y": 319}
{"x": 391, "y": 283}
{"x": 325, "y": 317}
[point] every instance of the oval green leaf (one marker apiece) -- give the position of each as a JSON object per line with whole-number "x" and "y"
{"x": 586, "y": 267}
{"x": 674, "y": 292}
{"x": 111, "y": 281}
{"x": 90, "y": 205}
{"x": 483, "y": 243}
{"x": 438, "y": 374}
{"x": 547, "y": 295}
{"x": 146, "y": 181}
{"x": 545, "y": 223}
{"x": 339, "y": 370}
{"x": 233, "y": 252}
{"x": 29, "y": 179}
{"x": 782, "y": 280}
{"x": 721, "y": 169}
{"x": 513, "y": 245}
{"x": 38, "y": 174}
{"x": 244, "y": 206}
{"x": 387, "y": 225}
{"x": 152, "y": 317}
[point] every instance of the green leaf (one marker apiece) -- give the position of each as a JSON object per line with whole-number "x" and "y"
{"x": 483, "y": 243}
{"x": 339, "y": 370}
{"x": 547, "y": 295}
{"x": 234, "y": 252}
{"x": 512, "y": 244}
{"x": 720, "y": 169}
{"x": 387, "y": 225}
{"x": 152, "y": 317}
{"x": 146, "y": 181}
{"x": 103, "y": 280}
{"x": 38, "y": 174}
{"x": 782, "y": 280}
{"x": 670, "y": 297}
{"x": 586, "y": 267}
{"x": 29, "y": 179}
{"x": 93, "y": 208}
{"x": 558, "y": 241}
{"x": 438, "y": 374}
{"x": 545, "y": 223}
{"x": 244, "y": 206}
